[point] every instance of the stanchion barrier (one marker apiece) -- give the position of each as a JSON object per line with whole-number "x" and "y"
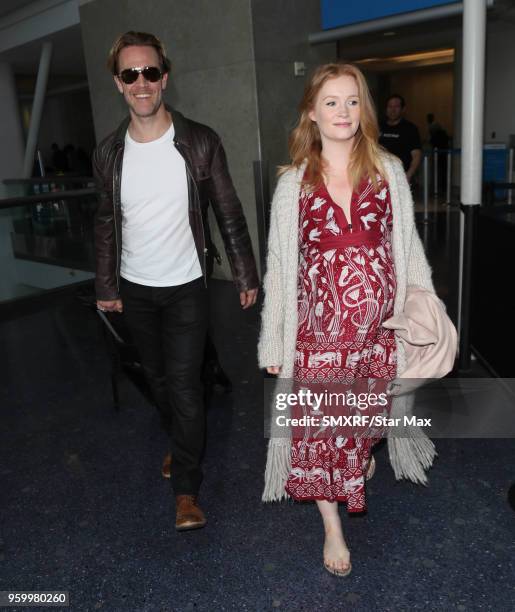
{"x": 433, "y": 156}
{"x": 435, "y": 170}
{"x": 426, "y": 187}
{"x": 450, "y": 153}
{"x": 449, "y": 177}
{"x": 425, "y": 235}
{"x": 509, "y": 178}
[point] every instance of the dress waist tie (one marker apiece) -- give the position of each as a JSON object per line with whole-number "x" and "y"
{"x": 369, "y": 238}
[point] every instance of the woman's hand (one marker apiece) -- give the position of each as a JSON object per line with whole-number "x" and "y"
{"x": 274, "y": 369}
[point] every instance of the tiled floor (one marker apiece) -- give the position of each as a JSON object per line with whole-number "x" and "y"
{"x": 84, "y": 508}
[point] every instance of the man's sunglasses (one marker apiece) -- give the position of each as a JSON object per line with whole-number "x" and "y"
{"x": 150, "y": 73}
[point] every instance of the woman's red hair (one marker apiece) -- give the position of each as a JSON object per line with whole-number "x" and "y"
{"x": 305, "y": 142}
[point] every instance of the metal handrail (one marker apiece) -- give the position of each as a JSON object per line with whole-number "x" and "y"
{"x": 51, "y": 196}
{"x": 54, "y": 178}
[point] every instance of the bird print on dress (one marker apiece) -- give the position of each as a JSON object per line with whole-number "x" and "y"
{"x": 344, "y": 294}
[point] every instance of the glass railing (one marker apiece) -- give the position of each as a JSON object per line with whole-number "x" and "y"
{"x": 46, "y": 234}
{"x": 16, "y": 188}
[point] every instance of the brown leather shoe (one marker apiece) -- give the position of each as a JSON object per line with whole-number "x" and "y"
{"x": 188, "y": 513}
{"x": 166, "y": 469}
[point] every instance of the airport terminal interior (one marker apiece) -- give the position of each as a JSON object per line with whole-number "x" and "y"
{"x": 84, "y": 507}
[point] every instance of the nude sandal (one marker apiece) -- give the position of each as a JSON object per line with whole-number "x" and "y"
{"x": 371, "y": 468}
{"x": 339, "y": 573}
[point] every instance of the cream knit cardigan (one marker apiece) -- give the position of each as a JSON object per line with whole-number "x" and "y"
{"x": 409, "y": 457}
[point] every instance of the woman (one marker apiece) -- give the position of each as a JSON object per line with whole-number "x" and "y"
{"x": 342, "y": 249}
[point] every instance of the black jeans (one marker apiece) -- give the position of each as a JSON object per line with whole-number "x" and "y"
{"x": 169, "y": 325}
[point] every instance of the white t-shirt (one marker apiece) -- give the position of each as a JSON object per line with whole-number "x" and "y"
{"x": 158, "y": 248}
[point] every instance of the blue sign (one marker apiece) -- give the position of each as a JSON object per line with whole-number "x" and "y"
{"x": 494, "y": 166}
{"x": 337, "y": 13}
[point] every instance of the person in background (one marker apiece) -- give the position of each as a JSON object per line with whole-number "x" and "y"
{"x": 59, "y": 160}
{"x": 71, "y": 157}
{"x": 439, "y": 139}
{"x": 400, "y": 136}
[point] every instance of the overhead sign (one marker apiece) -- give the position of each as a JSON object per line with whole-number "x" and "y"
{"x": 338, "y": 13}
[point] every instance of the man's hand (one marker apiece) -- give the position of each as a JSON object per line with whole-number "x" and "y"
{"x": 110, "y": 305}
{"x": 248, "y": 298}
{"x": 416, "y": 158}
{"x": 274, "y": 369}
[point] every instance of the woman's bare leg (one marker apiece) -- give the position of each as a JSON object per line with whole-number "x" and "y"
{"x": 336, "y": 553}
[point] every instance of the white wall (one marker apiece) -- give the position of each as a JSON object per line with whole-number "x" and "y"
{"x": 13, "y": 147}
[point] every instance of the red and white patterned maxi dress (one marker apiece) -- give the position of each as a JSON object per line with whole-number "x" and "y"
{"x": 344, "y": 294}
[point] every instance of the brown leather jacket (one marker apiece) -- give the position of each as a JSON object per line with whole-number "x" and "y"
{"x": 209, "y": 182}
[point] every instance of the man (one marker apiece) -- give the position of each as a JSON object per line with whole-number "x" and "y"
{"x": 439, "y": 139}
{"x": 400, "y": 136}
{"x": 157, "y": 174}
{"x": 59, "y": 160}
